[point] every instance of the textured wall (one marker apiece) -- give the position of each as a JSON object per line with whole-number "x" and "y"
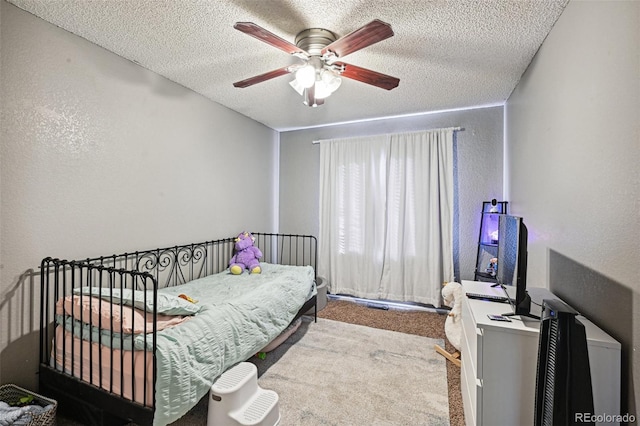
{"x": 100, "y": 156}
{"x": 478, "y": 171}
{"x": 573, "y": 149}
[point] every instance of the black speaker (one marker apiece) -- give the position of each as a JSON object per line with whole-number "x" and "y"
{"x": 563, "y": 383}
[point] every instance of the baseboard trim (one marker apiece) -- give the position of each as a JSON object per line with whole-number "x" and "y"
{"x": 388, "y": 304}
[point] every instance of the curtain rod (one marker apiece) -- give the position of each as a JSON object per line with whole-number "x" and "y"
{"x": 455, "y": 129}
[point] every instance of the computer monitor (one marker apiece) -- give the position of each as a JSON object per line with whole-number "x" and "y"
{"x": 512, "y": 262}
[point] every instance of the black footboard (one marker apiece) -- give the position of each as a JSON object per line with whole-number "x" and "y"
{"x": 78, "y": 372}
{"x": 290, "y": 249}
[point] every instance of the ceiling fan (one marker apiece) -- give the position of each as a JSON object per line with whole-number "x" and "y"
{"x": 318, "y": 74}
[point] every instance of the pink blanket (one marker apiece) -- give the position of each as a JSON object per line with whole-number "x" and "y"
{"x": 107, "y": 316}
{"x": 122, "y": 373}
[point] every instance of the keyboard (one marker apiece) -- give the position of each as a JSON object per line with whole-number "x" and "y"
{"x": 489, "y": 297}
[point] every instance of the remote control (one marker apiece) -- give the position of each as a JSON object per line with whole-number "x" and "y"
{"x": 498, "y": 318}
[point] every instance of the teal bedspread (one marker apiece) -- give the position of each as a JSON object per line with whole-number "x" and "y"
{"x": 240, "y": 315}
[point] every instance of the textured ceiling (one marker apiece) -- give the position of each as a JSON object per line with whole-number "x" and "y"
{"x": 447, "y": 54}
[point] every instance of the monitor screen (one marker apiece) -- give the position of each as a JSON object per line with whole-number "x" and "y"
{"x": 512, "y": 262}
{"x": 508, "y": 244}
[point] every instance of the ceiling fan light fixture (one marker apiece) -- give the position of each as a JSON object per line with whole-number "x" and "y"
{"x": 331, "y": 79}
{"x": 297, "y": 86}
{"x": 328, "y": 83}
{"x": 322, "y": 90}
{"x": 317, "y": 102}
{"x": 306, "y": 76}
{"x": 310, "y": 98}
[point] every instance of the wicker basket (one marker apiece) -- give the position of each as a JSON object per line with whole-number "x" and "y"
{"x": 10, "y": 393}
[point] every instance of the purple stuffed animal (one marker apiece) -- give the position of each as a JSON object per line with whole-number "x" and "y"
{"x": 246, "y": 255}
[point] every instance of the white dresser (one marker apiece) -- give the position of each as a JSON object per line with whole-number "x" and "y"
{"x": 499, "y": 362}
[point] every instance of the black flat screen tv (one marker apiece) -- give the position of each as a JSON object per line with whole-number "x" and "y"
{"x": 512, "y": 263}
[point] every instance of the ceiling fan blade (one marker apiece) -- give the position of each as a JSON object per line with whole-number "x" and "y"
{"x": 367, "y": 76}
{"x": 371, "y": 33}
{"x": 268, "y": 37}
{"x": 263, "y": 77}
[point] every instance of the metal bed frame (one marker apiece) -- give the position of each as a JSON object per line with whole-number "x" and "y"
{"x": 140, "y": 270}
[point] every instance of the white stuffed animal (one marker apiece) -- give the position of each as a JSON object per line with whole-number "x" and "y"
{"x": 452, "y": 295}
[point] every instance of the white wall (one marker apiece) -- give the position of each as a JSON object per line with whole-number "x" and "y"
{"x": 478, "y": 162}
{"x": 101, "y": 156}
{"x": 573, "y": 155}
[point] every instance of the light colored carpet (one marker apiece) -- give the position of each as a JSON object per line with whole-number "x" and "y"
{"x": 335, "y": 373}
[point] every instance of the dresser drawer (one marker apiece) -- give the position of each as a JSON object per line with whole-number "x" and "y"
{"x": 469, "y": 334}
{"x": 471, "y": 389}
{"x": 469, "y": 402}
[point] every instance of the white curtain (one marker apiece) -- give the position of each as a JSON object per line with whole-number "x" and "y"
{"x": 386, "y": 215}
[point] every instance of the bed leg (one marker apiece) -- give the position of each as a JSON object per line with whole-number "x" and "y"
{"x": 315, "y": 311}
